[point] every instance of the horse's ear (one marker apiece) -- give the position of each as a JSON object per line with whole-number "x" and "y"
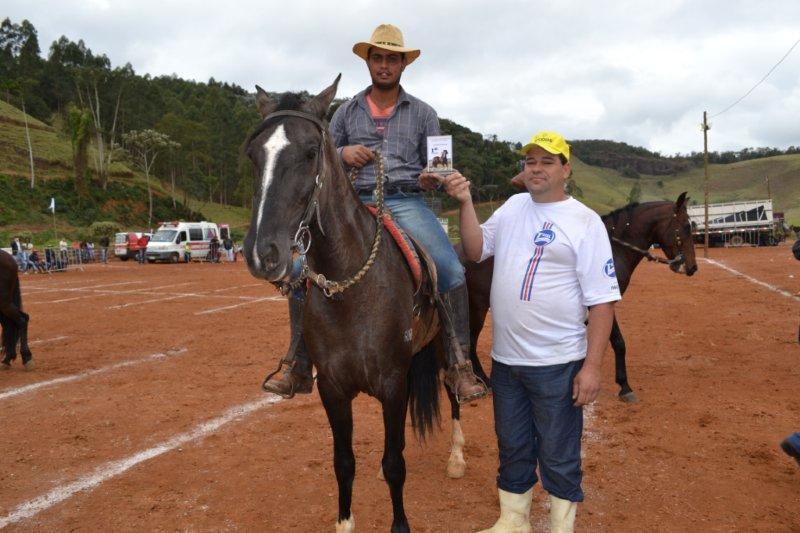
{"x": 318, "y": 106}
{"x": 263, "y": 102}
{"x": 680, "y": 201}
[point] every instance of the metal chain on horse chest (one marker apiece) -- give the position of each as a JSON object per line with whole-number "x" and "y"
{"x": 329, "y": 287}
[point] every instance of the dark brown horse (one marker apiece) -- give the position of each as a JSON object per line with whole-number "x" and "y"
{"x": 632, "y": 230}
{"x": 13, "y": 320}
{"x": 378, "y": 336}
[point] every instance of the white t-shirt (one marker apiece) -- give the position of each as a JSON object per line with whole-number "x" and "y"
{"x": 552, "y": 260}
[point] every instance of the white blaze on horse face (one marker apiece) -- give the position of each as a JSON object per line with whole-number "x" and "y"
{"x": 272, "y": 148}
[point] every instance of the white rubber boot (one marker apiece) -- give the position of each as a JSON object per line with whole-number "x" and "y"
{"x": 515, "y": 513}
{"x": 562, "y": 515}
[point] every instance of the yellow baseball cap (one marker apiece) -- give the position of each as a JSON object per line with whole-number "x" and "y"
{"x": 549, "y": 141}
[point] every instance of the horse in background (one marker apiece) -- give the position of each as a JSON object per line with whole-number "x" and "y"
{"x": 13, "y": 319}
{"x": 632, "y": 230}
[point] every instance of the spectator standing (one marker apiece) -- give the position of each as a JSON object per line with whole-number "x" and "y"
{"x": 104, "y": 243}
{"x": 142, "y": 243}
{"x": 187, "y": 252}
{"x": 214, "y": 249}
{"x": 62, "y": 250}
{"x": 227, "y": 243}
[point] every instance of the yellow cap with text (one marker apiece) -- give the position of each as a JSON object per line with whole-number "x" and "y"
{"x": 549, "y": 141}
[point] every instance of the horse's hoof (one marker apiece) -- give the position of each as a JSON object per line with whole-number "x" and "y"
{"x": 380, "y": 474}
{"x": 629, "y": 397}
{"x": 456, "y": 469}
{"x": 29, "y": 365}
{"x": 5, "y": 365}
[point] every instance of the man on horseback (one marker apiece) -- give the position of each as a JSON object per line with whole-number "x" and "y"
{"x": 384, "y": 119}
{"x": 553, "y": 263}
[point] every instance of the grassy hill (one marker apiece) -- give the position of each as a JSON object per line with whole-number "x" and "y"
{"x": 24, "y": 211}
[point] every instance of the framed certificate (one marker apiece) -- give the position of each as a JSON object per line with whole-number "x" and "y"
{"x": 440, "y": 154}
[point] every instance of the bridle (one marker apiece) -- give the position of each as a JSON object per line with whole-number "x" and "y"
{"x": 678, "y": 260}
{"x": 302, "y": 237}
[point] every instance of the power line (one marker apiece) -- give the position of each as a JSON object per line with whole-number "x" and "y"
{"x": 760, "y": 81}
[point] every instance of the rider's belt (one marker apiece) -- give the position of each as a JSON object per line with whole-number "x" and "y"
{"x": 391, "y": 189}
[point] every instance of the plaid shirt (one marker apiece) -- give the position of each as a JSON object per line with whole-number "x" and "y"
{"x": 404, "y": 142}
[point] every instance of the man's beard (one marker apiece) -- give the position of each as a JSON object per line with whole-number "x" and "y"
{"x": 385, "y": 86}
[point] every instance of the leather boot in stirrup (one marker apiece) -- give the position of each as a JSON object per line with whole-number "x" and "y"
{"x": 293, "y": 375}
{"x": 454, "y": 314}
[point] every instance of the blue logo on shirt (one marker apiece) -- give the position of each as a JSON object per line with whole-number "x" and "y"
{"x": 609, "y": 270}
{"x": 544, "y": 237}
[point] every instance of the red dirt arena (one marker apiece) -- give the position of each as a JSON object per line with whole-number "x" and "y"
{"x": 144, "y": 412}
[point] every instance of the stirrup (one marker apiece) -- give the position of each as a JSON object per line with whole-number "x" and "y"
{"x": 459, "y": 369}
{"x": 289, "y": 363}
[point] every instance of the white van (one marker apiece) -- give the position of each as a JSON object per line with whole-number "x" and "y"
{"x": 167, "y": 244}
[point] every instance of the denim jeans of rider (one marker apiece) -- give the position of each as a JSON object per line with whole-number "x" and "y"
{"x": 414, "y": 217}
{"x": 537, "y": 425}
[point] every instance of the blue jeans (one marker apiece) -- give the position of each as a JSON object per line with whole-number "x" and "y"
{"x": 414, "y": 217}
{"x": 536, "y": 423}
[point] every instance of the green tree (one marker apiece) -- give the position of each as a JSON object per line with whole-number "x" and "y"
{"x": 144, "y": 146}
{"x": 636, "y": 193}
{"x": 80, "y": 123}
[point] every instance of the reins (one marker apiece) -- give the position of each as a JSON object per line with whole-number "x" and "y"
{"x": 302, "y": 238}
{"x": 679, "y": 259}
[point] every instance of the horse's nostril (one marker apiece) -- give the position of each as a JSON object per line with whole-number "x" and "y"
{"x": 270, "y": 258}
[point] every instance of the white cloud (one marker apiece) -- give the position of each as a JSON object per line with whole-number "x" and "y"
{"x": 635, "y": 71}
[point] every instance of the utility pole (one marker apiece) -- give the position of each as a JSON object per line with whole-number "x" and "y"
{"x": 769, "y": 192}
{"x": 706, "y": 127}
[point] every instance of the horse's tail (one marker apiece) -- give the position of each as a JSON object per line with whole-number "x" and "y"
{"x": 423, "y": 390}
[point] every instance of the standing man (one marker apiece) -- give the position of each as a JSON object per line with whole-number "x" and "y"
{"x": 227, "y": 243}
{"x": 104, "y": 242}
{"x": 385, "y": 119}
{"x": 553, "y": 269}
{"x": 142, "y": 244}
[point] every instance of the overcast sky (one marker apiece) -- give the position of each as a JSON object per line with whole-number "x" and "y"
{"x": 638, "y": 71}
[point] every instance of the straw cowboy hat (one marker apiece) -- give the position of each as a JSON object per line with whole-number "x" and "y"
{"x": 386, "y": 37}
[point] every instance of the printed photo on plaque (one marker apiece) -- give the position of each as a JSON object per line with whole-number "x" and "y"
{"x": 440, "y": 154}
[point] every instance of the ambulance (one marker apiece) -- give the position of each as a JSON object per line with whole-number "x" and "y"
{"x": 167, "y": 244}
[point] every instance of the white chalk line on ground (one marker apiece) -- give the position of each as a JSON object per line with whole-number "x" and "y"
{"x": 4, "y": 395}
{"x": 155, "y": 300}
{"x": 175, "y": 296}
{"x": 225, "y": 308}
{"x": 28, "y": 285}
{"x": 42, "y": 341}
{"x": 89, "y": 287}
{"x": 753, "y": 280}
{"x": 114, "y": 468}
{"x": 106, "y": 292}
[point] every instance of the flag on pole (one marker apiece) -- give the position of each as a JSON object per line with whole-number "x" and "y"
{"x": 52, "y": 205}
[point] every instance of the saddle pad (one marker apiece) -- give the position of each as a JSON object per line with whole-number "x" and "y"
{"x": 404, "y": 243}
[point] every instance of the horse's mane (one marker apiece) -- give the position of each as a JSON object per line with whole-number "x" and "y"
{"x": 628, "y": 210}
{"x": 615, "y": 214}
{"x": 287, "y": 102}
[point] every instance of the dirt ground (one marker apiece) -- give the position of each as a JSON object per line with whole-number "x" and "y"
{"x": 713, "y": 358}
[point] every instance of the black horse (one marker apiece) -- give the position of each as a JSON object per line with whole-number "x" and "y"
{"x": 372, "y": 333}
{"x": 632, "y": 230}
{"x": 13, "y": 320}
